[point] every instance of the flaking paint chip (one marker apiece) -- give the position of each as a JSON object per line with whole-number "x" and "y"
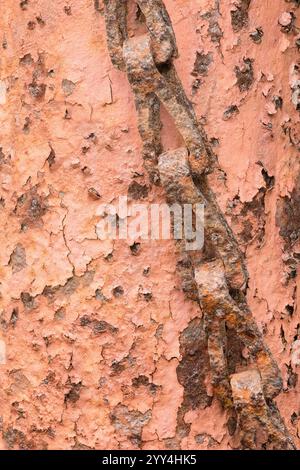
{"x": 2, "y": 92}
{"x": 2, "y": 352}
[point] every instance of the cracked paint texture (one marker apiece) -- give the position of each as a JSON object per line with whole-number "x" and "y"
{"x": 97, "y": 343}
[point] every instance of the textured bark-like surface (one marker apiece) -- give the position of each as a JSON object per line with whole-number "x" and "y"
{"x": 102, "y": 348}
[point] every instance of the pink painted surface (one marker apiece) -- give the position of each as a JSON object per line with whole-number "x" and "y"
{"x": 85, "y": 367}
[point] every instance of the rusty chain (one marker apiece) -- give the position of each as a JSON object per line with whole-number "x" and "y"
{"x": 216, "y": 277}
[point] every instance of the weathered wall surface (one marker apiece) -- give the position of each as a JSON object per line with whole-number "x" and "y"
{"x": 101, "y": 346}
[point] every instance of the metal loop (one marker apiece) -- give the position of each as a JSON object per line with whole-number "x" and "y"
{"x": 158, "y": 23}
{"x": 116, "y": 28}
{"x": 161, "y": 30}
{"x": 145, "y": 78}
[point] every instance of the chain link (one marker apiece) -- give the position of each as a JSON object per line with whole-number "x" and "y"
{"x": 216, "y": 277}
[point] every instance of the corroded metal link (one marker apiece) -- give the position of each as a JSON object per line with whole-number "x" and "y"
{"x": 141, "y": 54}
{"x": 260, "y": 425}
{"x": 215, "y": 300}
{"x": 161, "y": 30}
{"x": 215, "y": 276}
{"x": 176, "y": 175}
{"x": 116, "y": 27}
{"x": 158, "y": 23}
{"x": 149, "y": 124}
{"x": 215, "y": 329}
{"x": 145, "y": 78}
{"x": 163, "y": 49}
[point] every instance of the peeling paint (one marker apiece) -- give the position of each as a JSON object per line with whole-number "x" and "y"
{"x": 68, "y": 274}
